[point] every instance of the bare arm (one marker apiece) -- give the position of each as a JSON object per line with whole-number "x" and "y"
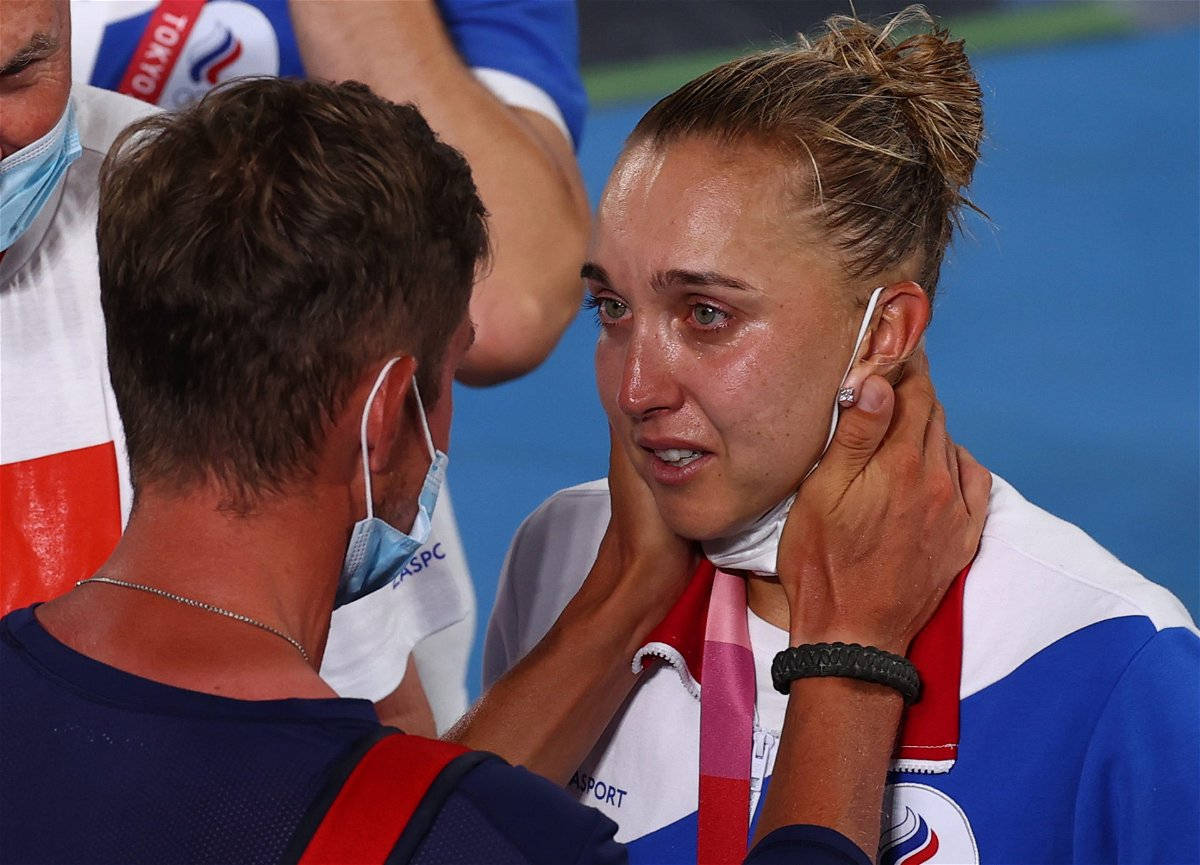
{"x": 873, "y": 541}
{"x": 523, "y": 165}
{"x": 833, "y": 758}
{"x": 407, "y": 707}
{"x": 548, "y": 712}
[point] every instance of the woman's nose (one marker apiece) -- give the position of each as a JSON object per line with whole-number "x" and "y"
{"x": 648, "y": 383}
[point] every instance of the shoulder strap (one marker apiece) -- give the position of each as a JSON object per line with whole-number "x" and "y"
{"x": 373, "y": 807}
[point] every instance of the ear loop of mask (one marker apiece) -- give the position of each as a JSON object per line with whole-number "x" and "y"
{"x": 837, "y": 409}
{"x": 363, "y": 430}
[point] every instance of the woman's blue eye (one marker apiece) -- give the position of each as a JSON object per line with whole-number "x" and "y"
{"x": 608, "y": 309}
{"x": 707, "y": 315}
{"x": 612, "y": 309}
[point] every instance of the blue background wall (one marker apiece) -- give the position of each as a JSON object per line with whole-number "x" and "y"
{"x": 1065, "y": 340}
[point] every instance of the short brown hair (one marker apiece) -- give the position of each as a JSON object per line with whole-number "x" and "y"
{"x": 258, "y": 251}
{"x": 891, "y": 131}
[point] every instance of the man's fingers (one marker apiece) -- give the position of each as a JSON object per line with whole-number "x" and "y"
{"x": 955, "y": 469}
{"x": 917, "y": 363}
{"x": 941, "y": 451}
{"x": 623, "y": 481}
{"x": 940, "y": 454}
{"x": 976, "y": 483}
{"x": 616, "y": 459}
{"x": 860, "y": 430}
{"x": 935, "y": 430}
{"x": 915, "y": 400}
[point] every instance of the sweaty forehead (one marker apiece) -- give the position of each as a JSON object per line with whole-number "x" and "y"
{"x": 693, "y": 164}
{"x": 701, "y": 194}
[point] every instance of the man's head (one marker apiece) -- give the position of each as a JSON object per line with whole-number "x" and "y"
{"x": 260, "y": 253}
{"x": 35, "y": 69}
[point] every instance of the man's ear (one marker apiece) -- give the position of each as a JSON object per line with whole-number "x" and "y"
{"x": 900, "y": 318}
{"x": 387, "y": 417}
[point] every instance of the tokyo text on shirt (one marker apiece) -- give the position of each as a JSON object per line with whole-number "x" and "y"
{"x": 1076, "y": 720}
{"x": 525, "y": 52}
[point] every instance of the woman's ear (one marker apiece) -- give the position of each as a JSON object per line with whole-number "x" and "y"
{"x": 900, "y": 318}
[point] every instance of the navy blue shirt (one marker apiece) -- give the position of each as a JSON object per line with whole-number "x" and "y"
{"x": 97, "y": 765}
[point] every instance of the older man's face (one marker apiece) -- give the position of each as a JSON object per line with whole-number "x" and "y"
{"x": 35, "y": 69}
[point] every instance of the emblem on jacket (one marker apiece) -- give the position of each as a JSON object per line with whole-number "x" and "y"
{"x": 213, "y": 55}
{"x": 925, "y": 825}
{"x": 232, "y": 38}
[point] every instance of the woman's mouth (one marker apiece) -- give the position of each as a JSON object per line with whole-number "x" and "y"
{"x": 677, "y": 457}
{"x": 673, "y": 466}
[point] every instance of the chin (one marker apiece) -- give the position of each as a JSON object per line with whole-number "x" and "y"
{"x": 698, "y": 517}
{"x": 695, "y": 519}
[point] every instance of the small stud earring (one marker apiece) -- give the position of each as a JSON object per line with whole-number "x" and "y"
{"x": 847, "y": 397}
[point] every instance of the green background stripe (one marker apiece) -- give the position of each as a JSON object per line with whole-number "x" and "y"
{"x": 984, "y": 33}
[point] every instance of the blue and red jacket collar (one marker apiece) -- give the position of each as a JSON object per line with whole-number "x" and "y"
{"x": 928, "y": 740}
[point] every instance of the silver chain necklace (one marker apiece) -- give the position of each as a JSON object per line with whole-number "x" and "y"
{"x": 201, "y": 605}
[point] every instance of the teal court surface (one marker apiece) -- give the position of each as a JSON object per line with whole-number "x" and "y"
{"x": 1065, "y": 337}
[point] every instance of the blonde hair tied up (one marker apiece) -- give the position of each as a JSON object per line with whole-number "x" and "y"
{"x": 889, "y": 118}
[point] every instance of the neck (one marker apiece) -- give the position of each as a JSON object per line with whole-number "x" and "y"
{"x": 278, "y": 565}
{"x": 766, "y": 599}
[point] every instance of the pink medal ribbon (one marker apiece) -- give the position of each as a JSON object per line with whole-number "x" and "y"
{"x": 726, "y": 725}
{"x": 705, "y": 637}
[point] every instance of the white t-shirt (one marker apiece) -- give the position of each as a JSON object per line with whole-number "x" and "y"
{"x": 64, "y": 483}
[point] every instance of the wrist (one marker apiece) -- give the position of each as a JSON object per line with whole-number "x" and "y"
{"x": 886, "y": 700}
{"x": 850, "y": 638}
{"x": 806, "y": 630}
{"x": 846, "y": 661}
{"x": 612, "y": 617}
{"x": 631, "y": 591}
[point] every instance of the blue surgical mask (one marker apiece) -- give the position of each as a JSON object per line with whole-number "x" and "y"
{"x": 28, "y": 176}
{"x": 377, "y": 549}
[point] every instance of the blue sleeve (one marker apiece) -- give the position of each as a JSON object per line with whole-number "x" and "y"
{"x": 1139, "y": 790}
{"x": 537, "y": 40}
{"x": 810, "y": 845}
{"x": 504, "y": 814}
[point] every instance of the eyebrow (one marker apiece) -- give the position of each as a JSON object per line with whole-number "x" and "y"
{"x": 39, "y": 46}
{"x": 700, "y": 279}
{"x": 675, "y": 276}
{"x": 594, "y": 272}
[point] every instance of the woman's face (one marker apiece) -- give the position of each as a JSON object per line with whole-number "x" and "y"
{"x": 726, "y": 326}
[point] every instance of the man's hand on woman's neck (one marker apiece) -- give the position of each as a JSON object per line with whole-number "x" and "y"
{"x": 766, "y": 599}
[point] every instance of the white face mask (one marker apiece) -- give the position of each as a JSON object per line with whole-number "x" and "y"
{"x": 756, "y": 547}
